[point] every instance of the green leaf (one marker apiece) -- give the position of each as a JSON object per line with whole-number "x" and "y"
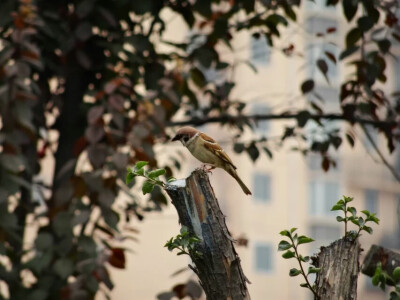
{"x": 63, "y": 267}
{"x": 366, "y": 212}
{"x": 384, "y": 45}
{"x": 294, "y": 272}
{"x": 347, "y": 199}
{"x": 44, "y": 241}
{"x": 253, "y": 151}
{"x": 140, "y": 172}
{"x": 284, "y": 245}
{"x": 345, "y": 53}
{"x": 375, "y": 279}
{"x": 303, "y": 117}
{"x": 268, "y": 152}
{"x": 285, "y": 233}
{"x": 396, "y": 274}
{"x": 353, "y": 36}
{"x": 288, "y": 254}
{"x": 198, "y": 77}
{"x": 304, "y": 240}
{"x": 352, "y": 210}
{"x": 340, "y": 219}
{"x": 350, "y": 8}
{"x": 141, "y": 164}
{"x": 293, "y": 229}
{"x": 307, "y": 86}
{"x": 323, "y": 67}
{"x": 129, "y": 178}
{"x": 304, "y": 285}
{"x": 184, "y": 230}
{"x": 365, "y": 23}
{"x": 305, "y": 258}
{"x": 367, "y": 229}
{"x": 313, "y": 270}
{"x": 155, "y": 173}
{"x": 337, "y": 207}
{"x": 354, "y": 221}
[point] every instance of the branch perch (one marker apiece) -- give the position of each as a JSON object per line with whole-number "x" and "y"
{"x": 218, "y": 268}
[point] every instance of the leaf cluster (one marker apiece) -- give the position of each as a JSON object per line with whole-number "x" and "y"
{"x": 152, "y": 177}
{"x": 381, "y": 278}
{"x": 185, "y": 242}
{"x": 290, "y": 247}
{"x": 350, "y": 215}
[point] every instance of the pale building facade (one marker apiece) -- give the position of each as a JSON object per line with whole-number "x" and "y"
{"x": 288, "y": 191}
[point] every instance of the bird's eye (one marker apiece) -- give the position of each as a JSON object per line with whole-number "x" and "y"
{"x": 185, "y": 138}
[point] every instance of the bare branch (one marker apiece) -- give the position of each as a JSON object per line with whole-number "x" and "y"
{"x": 262, "y": 117}
{"x": 378, "y": 151}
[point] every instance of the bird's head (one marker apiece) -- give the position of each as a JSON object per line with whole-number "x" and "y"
{"x": 185, "y": 135}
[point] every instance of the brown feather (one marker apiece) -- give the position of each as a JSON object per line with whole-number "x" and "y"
{"x": 214, "y": 147}
{"x": 207, "y": 138}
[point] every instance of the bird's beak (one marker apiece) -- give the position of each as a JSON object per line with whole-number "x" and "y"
{"x": 176, "y": 138}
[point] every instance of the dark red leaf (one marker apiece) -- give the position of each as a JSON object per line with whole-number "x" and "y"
{"x": 325, "y": 164}
{"x": 331, "y": 56}
{"x": 117, "y": 258}
{"x": 307, "y": 86}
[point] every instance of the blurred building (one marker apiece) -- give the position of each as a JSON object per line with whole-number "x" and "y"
{"x": 290, "y": 190}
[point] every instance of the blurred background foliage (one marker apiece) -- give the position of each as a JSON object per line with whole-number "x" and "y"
{"x": 84, "y": 84}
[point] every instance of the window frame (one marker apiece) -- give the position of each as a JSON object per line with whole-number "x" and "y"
{"x": 270, "y": 267}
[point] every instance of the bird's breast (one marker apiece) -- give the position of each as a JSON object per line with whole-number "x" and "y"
{"x": 204, "y": 155}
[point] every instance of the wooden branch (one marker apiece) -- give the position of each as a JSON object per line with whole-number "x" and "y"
{"x": 264, "y": 117}
{"x": 339, "y": 263}
{"x": 388, "y": 259}
{"x": 218, "y": 268}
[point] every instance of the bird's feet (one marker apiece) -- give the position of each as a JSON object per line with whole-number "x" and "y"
{"x": 207, "y": 168}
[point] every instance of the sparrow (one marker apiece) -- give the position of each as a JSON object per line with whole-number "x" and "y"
{"x": 207, "y": 150}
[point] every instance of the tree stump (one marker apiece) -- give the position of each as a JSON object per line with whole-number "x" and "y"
{"x": 218, "y": 268}
{"x": 377, "y": 254}
{"x": 339, "y": 263}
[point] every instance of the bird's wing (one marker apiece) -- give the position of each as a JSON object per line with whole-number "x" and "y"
{"x": 212, "y": 145}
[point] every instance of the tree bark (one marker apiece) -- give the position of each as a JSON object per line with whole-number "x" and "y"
{"x": 218, "y": 268}
{"x": 339, "y": 263}
{"x": 388, "y": 259}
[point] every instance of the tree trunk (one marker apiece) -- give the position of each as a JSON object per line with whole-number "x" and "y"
{"x": 388, "y": 259}
{"x": 218, "y": 268}
{"x": 339, "y": 263}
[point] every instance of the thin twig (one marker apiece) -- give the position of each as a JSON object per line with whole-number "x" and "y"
{"x": 260, "y": 117}
{"x": 382, "y": 157}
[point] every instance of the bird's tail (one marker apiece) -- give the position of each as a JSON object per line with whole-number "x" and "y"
{"x": 235, "y": 175}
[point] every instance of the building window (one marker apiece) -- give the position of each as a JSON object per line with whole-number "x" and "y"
{"x": 322, "y": 232}
{"x": 261, "y": 109}
{"x": 317, "y": 24}
{"x": 260, "y": 51}
{"x": 314, "y": 163}
{"x": 323, "y": 195}
{"x": 319, "y": 6}
{"x": 319, "y": 50}
{"x": 262, "y": 187}
{"x": 263, "y": 258}
{"x": 371, "y": 200}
